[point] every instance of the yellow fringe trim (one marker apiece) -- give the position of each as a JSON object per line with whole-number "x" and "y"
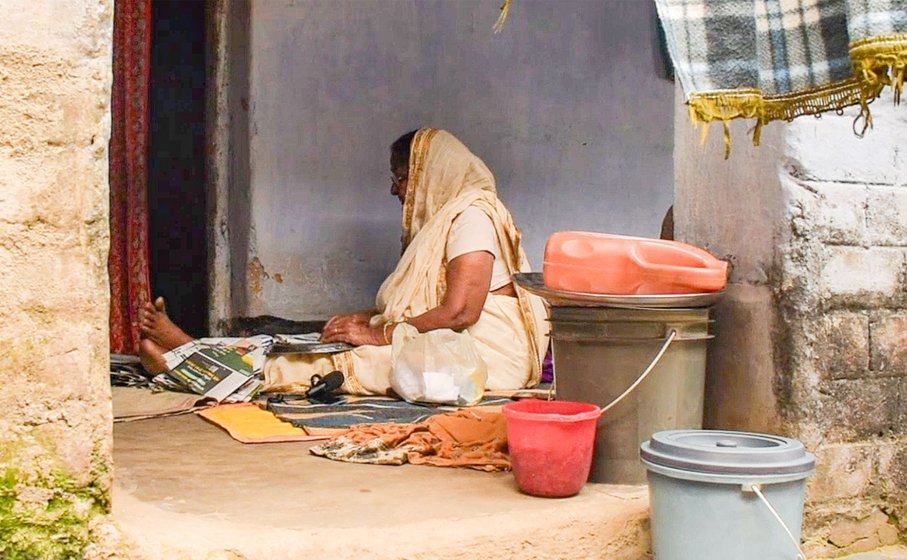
{"x": 878, "y": 62}
{"x": 881, "y": 61}
{"x": 505, "y": 10}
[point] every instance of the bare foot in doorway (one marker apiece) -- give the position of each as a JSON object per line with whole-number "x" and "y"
{"x": 159, "y": 329}
{"x": 152, "y": 356}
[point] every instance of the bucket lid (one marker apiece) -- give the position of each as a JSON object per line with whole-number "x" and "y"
{"x": 725, "y": 452}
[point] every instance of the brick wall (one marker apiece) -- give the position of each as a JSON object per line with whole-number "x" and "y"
{"x": 843, "y": 296}
{"x": 814, "y": 324}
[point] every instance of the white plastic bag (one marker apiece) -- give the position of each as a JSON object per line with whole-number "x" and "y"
{"x": 440, "y": 366}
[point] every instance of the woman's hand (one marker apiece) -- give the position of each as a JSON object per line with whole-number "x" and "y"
{"x": 359, "y": 318}
{"x": 355, "y": 333}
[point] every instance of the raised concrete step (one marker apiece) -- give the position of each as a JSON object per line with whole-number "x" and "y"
{"x": 184, "y": 489}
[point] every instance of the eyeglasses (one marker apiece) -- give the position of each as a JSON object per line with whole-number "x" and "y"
{"x": 398, "y": 179}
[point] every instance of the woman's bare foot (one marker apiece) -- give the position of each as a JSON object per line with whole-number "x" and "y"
{"x": 152, "y": 356}
{"x": 158, "y": 328}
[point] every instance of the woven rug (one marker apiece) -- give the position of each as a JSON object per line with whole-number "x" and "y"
{"x": 329, "y": 419}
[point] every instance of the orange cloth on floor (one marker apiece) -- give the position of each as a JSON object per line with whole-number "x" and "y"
{"x": 470, "y": 438}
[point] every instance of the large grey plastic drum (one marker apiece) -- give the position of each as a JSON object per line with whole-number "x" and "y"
{"x": 639, "y": 357}
{"x": 600, "y": 352}
{"x": 716, "y": 495}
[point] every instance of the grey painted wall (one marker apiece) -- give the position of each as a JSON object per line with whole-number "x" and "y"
{"x": 566, "y": 106}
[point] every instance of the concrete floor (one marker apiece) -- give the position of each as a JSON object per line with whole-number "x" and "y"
{"x": 185, "y": 489}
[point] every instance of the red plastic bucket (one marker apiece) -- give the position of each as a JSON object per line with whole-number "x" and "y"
{"x": 551, "y": 445}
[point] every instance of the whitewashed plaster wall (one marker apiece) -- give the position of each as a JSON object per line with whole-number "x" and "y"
{"x": 566, "y": 106}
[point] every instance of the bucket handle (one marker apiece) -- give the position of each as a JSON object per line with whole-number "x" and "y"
{"x": 664, "y": 348}
{"x": 756, "y": 489}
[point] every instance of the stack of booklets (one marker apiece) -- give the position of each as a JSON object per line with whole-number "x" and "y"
{"x": 230, "y": 369}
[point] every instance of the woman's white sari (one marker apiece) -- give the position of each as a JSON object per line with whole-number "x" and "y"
{"x": 445, "y": 178}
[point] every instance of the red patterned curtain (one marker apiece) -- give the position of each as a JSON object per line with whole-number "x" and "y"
{"x": 128, "y": 262}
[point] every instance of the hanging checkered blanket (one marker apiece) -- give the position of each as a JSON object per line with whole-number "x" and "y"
{"x": 779, "y": 59}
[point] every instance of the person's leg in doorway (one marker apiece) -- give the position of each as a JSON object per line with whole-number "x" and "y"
{"x": 159, "y": 335}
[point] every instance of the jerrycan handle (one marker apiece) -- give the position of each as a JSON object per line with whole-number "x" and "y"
{"x": 704, "y": 274}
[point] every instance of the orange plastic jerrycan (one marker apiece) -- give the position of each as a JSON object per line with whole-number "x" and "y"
{"x": 598, "y": 263}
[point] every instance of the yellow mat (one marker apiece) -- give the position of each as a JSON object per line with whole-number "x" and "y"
{"x": 247, "y": 423}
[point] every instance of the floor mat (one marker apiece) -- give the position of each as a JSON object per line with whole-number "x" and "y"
{"x": 330, "y": 419}
{"x": 137, "y": 403}
{"x": 249, "y": 423}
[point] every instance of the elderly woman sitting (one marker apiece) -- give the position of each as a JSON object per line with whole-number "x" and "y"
{"x": 460, "y": 249}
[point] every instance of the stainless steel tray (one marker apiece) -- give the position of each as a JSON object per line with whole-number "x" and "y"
{"x": 309, "y": 343}
{"x": 534, "y": 283}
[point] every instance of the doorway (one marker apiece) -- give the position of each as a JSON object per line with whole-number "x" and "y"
{"x": 177, "y": 203}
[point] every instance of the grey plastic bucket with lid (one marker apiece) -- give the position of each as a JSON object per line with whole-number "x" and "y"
{"x": 722, "y": 494}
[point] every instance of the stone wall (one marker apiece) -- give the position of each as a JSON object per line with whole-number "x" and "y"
{"x": 812, "y": 336}
{"x": 843, "y": 301}
{"x": 55, "y": 420}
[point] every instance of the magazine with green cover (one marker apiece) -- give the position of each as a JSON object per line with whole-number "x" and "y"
{"x": 215, "y": 372}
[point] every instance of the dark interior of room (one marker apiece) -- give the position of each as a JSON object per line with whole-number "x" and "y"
{"x": 176, "y": 162}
